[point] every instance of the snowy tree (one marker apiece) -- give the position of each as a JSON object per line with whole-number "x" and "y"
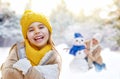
{"x": 114, "y": 21}
{"x": 9, "y": 28}
{"x": 65, "y": 24}
{"x": 60, "y": 19}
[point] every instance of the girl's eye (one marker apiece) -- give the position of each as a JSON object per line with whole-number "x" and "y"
{"x": 30, "y": 30}
{"x": 41, "y": 27}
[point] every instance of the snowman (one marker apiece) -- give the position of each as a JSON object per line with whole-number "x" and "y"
{"x": 78, "y": 63}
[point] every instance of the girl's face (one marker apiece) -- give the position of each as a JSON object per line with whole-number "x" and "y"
{"x": 38, "y": 34}
{"x": 94, "y": 41}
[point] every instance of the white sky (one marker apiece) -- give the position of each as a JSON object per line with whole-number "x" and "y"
{"x": 46, "y": 6}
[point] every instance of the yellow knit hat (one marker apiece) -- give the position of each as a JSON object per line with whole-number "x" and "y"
{"x": 30, "y": 17}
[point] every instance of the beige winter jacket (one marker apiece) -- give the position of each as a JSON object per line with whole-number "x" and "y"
{"x": 95, "y": 54}
{"x": 8, "y": 72}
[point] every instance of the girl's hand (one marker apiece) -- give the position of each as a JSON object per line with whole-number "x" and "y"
{"x": 22, "y": 65}
{"x": 86, "y": 51}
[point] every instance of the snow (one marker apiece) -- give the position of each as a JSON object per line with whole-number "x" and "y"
{"x": 109, "y": 57}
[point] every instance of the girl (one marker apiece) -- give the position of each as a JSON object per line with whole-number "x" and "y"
{"x": 35, "y": 57}
{"x": 93, "y": 51}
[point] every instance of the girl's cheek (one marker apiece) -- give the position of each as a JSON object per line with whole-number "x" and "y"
{"x": 29, "y": 35}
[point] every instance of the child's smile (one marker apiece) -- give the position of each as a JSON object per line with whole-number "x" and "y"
{"x": 38, "y": 38}
{"x": 38, "y": 34}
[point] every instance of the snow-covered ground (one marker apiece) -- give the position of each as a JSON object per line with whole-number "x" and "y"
{"x": 112, "y": 60}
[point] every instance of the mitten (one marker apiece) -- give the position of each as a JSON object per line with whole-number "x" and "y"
{"x": 22, "y": 65}
{"x": 48, "y": 71}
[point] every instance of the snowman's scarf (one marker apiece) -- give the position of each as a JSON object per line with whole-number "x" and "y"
{"x": 76, "y": 48}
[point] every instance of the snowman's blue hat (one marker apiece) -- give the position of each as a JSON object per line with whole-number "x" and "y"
{"x": 78, "y": 35}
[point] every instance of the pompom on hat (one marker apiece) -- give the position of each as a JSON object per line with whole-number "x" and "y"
{"x": 29, "y": 17}
{"x": 97, "y": 36}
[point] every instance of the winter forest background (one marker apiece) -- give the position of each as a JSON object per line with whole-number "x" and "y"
{"x": 65, "y": 23}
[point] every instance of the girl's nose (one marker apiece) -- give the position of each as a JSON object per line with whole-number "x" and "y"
{"x": 37, "y": 31}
